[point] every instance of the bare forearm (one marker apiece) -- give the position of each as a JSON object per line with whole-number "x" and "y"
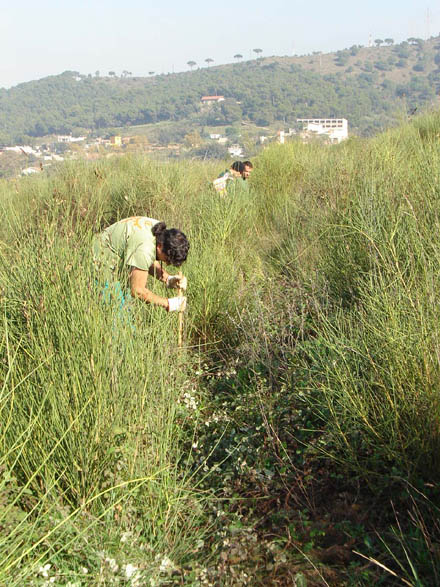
{"x": 149, "y": 297}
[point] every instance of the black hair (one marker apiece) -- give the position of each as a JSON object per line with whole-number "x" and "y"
{"x": 238, "y": 166}
{"x": 174, "y": 243}
{"x": 248, "y": 164}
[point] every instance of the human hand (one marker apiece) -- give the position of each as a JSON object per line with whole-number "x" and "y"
{"x": 177, "y": 304}
{"x": 176, "y": 282}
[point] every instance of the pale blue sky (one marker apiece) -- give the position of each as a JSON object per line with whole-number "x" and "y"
{"x": 48, "y": 37}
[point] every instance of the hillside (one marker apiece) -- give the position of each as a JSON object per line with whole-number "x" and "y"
{"x": 370, "y": 86}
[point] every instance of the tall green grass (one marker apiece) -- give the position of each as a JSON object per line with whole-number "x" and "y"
{"x": 321, "y": 281}
{"x": 91, "y": 400}
{"x": 360, "y": 256}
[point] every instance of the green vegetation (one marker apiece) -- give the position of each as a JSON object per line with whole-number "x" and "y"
{"x": 294, "y": 439}
{"x": 368, "y": 86}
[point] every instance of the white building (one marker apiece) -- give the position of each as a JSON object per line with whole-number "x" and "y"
{"x": 235, "y": 151}
{"x": 335, "y": 128}
{"x": 25, "y": 149}
{"x": 30, "y": 170}
{"x": 69, "y": 139}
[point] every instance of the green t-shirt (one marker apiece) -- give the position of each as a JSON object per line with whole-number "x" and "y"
{"x": 236, "y": 185}
{"x": 128, "y": 242}
{"x": 227, "y": 183}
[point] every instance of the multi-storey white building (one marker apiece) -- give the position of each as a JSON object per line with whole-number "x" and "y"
{"x": 335, "y": 128}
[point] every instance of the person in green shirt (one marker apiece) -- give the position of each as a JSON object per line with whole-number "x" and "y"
{"x": 135, "y": 248}
{"x": 234, "y": 178}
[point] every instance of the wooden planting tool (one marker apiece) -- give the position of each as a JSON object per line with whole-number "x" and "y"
{"x": 180, "y": 335}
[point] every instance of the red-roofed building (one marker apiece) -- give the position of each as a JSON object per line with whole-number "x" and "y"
{"x": 212, "y": 99}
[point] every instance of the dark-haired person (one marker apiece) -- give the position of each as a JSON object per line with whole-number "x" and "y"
{"x": 247, "y": 169}
{"x": 135, "y": 248}
{"x": 242, "y": 169}
{"x": 234, "y": 178}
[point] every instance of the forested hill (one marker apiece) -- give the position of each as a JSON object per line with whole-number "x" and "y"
{"x": 369, "y": 86}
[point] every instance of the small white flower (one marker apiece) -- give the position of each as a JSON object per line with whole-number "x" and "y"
{"x": 112, "y": 564}
{"x": 166, "y": 565}
{"x": 84, "y": 570}
{"x": 189, "y": 401}
{"x": 194, "y": 445}
{"x": 44, "y": 571}
{"x": 125, "y": 536}
{"x": 130, "y": 570}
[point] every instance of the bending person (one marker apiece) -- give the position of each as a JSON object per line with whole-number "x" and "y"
{"x": 234, "y": 178}
{"x": 134, "y": 248}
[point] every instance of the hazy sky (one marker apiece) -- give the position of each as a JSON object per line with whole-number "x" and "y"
{"x": 51, "y": 36}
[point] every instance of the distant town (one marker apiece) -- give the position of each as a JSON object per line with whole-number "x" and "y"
{"x": 25, "y": 160}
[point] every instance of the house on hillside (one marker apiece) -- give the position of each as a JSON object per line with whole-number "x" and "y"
{"x": 208, "y": 100}
{"x": 31, "y": 170}
{"x": 336, "y": 129}
{"x": 24, "y": 149}
{"x": 235, "y": 151}
{"x": 69, "y": 139}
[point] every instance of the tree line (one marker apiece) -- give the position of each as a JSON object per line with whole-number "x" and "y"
{"x": 260, "y": 91}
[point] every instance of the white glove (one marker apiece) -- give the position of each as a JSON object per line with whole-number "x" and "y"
{"x": 176, "y": 282}
{"x": 177, "y": 304}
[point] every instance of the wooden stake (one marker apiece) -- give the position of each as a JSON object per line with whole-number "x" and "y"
{"x": 180, "y": 335}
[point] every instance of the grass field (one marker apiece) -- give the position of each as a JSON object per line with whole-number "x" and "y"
{"x": 294, "y": 440}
